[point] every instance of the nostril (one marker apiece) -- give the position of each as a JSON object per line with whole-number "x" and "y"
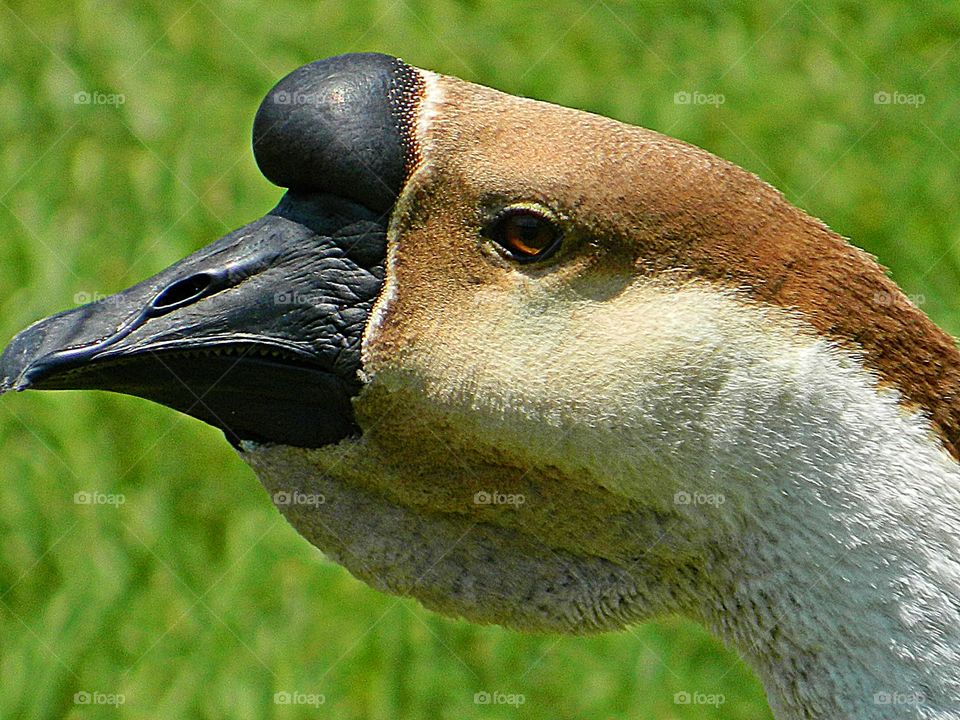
{"x": 182, "y": 292}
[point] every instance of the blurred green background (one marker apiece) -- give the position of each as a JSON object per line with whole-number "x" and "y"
{"x": 193, "y": 598}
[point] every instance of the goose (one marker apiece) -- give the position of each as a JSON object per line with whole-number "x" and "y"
{"x": 539, "y": 368}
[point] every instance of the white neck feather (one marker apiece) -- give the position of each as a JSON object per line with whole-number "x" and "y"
{"x": 845, "y": 590}
{"x": 845, "y": 594}
{"x": 839, "y": 574}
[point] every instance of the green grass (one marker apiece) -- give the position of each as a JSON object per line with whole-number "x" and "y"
{"x": 194, "y": 599}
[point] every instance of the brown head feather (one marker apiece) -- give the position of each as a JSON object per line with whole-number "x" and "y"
{"x": 657, "y": 205}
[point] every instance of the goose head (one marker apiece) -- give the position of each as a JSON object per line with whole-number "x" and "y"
{"x": 539, "y": 368}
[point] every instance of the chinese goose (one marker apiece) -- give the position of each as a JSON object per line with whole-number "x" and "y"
{"x": 539, "y": 368}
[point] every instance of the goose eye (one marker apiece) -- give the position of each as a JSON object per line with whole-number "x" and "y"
{"x": 526, "y": 235}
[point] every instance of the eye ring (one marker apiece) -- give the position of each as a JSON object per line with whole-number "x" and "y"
{"x": 525, "y": 234}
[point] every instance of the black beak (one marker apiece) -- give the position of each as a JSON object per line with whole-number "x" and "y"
{"x": 258, "y": 333}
